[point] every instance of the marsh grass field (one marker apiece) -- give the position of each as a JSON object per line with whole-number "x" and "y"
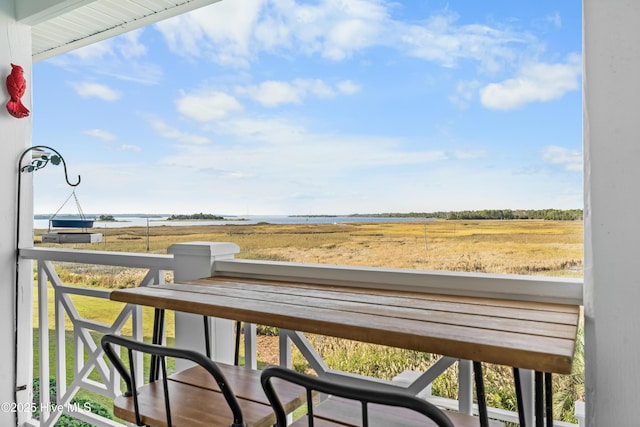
{"x": 531, "y": 247}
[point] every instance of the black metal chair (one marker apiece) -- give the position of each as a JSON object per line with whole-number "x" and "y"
{"x": 352, "y": 392}
{"x": 161, "y": 353}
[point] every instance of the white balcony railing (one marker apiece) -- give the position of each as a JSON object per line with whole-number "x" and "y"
{"x": 202, "y": 259}
{"x": 88, "y": 355}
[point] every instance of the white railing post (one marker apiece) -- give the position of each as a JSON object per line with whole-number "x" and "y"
{"x": 465, "y": 386}
{"x": 528, "y": 385}
{"x": 284, "y": 349}
{"x": 579, "y": 413}
{"x": 195, "y": 260}
{"x": 250, "y": 346}
{"x": 43, "y": 333}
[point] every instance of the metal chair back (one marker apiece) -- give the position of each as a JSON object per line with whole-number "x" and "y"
{"x": 357, "y": 393}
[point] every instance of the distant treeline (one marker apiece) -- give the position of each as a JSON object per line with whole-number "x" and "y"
{"x": 194, "y": 216}
{"x": 548, "y": 214}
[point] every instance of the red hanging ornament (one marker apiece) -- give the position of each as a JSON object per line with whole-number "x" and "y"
{"x": 16, "y": 85}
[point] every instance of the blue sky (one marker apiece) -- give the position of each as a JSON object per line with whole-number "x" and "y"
{"x": 252, "y": 107}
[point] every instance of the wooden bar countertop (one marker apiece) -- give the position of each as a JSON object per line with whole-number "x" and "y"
{"x": 523, "y": 334}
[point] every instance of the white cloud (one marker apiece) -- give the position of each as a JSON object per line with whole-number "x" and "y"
{"x": 315, "y": 87}
{"x": 207, "y": 105}
{"x": 440, "y": 40}
{"x": 380, "y": 172}
{"x": 272, "y": 93}
{"x": 232, "y": 33}
{"x": 222, "y": 31}
{"x": 571, "y": 160}
{"x": 266, "y": 147}
{"x": 126, "y": 45}
{"x": 169, "y": 132}
{"x": 100, "y": 134}
{"x": 129, "y": 44}
{"x": 469, "y": 154}
{"x": 353, "y": 33}
{"x": 118, "y": 57}
{"x": 555, "y": 20}
{"x": 138, "y": 72}
{"x": 96, "y": 90}
{"x": 538, "y": 82}
{"x": 107, "y": 136}
{"x": 245, "y": 185}
{"x": 465, "y": 91}
{"x": 130, "y": 147}
{"x": 348, "y": 87}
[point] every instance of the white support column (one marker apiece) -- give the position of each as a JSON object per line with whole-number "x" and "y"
{"x": 15, "y": 47}
{"x": 612, "y": 206}
{"x": 195, "y": 260}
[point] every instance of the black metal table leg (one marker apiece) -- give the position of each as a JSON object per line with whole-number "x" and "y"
{"x": 548, "y": 393}
{"x": 480, "y": 394}
{"x": 236, "y": 354}
{"x": 539, "y": 399}
{"x": 521, "y": 416}
{"x": 207, "y": 337}
{"x": 158, "y": 332}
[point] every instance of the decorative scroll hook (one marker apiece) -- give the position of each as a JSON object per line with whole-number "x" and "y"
{"x": 44, "y": 160}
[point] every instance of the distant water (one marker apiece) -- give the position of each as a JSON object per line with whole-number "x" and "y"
{"x": 155, "y": 221}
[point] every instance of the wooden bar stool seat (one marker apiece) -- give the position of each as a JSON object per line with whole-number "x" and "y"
{"x": 208, "y": 394}
{"x": 190, "y": 406}
{"x": 245, "y": 383}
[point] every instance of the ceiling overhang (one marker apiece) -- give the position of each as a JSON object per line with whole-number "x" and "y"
{"x": 59, "y": 26}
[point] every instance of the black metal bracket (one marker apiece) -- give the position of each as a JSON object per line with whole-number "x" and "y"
{"x": 44, "y": 160}
{"x": 36, "y": 164}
